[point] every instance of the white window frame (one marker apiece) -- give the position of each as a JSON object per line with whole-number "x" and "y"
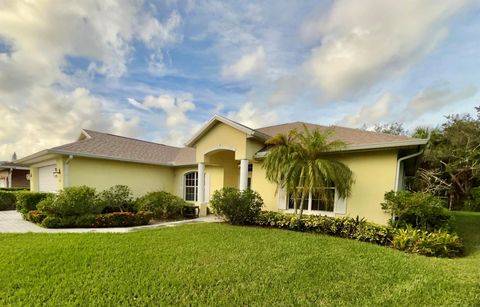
{"x": 185, "y": 186}
{"x": 309, "y": 209}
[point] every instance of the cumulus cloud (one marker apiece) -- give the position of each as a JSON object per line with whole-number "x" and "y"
{"x": 246, "y": 65}
{"x": 175, "y": 109}
{"x": 390, "y": 108}
{"x": 363, "y": 42}
{"x": 41, "y": 102}
{"x": 377, "y": 112}
{"x": 53, "y": 118}
{"x": 253, "y": 117}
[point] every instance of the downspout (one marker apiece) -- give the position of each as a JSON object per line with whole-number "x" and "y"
{"x": 399, "y": 162}
{"x": 66, "y": 171}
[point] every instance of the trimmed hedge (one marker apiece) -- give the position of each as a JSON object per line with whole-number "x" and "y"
{"x": 116, "y": 219}
{"x": 28, "y": 201}
{"x": 437, "y": 243}
{"x": 7, "y": 200}
{"x": 123, "y": 219}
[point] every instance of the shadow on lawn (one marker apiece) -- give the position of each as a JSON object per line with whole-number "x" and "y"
{"x": 468, "y": 228}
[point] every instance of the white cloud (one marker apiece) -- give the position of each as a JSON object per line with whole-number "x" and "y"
{"x": 253, "y": 117}
{"x": 41, "y": 105}
{"x": 53, "y": 118}
{"x": 389, "y": 108}
{"x": 363, "y": 42}
{"x": 373, "y": 113}
{"x": 246, "y": 65}
{"x": 437, "y": 96}
{"x": 175, "y": 109}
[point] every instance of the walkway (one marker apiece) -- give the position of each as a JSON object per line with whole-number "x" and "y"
{"x": 13, "y": 222}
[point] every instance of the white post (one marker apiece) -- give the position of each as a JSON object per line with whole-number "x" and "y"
{"x": 243, "y": 174}
{"x": 10, "y": 178}
{"x": 201, "y": 183}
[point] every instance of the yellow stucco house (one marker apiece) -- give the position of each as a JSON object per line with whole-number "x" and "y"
{"x": 224, "y": 153}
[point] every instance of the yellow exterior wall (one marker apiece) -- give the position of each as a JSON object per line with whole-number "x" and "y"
{"x": 222, "y": 136}
{"x": 374, "y": 175}
{"x": 267, "y": 190}
{"x": 215, "y": 179}
{"x": 102, "y": 174}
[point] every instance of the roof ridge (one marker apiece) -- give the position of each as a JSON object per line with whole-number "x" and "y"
{"x": 129, "y": 138}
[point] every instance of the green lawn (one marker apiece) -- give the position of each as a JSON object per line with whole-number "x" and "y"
{"x": 216, "y": 264}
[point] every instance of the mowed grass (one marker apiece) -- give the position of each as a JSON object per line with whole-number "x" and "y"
{"x": 218, "y": 264}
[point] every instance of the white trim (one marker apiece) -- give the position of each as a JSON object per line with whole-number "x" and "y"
{"x": 219, "y": 147}
{"x": 398, "y": 170}
{"x": 45, "y": 163}
{"x": 184, "y": 186}
{"x": 309, "y": 211}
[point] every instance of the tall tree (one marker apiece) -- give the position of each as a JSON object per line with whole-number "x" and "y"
{"x": 303, "y": 163}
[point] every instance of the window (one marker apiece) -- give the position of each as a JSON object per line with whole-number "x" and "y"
{"x": 191, "y": 186}
{"x": 314, "y": 202}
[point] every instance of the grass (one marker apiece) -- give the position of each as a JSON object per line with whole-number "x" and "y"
{"x": 217, "y": 264}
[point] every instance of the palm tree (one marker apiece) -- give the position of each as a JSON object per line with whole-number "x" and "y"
{"x": 302, "y": 163}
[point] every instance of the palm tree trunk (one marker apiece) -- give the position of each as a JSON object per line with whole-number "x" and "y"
{"x": 301, "y": 203}
{"x": 295, "y": 204}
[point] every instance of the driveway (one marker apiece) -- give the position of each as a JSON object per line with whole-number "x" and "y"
{"x": 13, "y": 222}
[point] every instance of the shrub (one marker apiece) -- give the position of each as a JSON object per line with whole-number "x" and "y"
{"x": 86, "y": 221}
{"x": 7, "y": 200}
{"x": 118, "y": 198}
{"x": 237, "y": 207}
{"x": 72, "y": 201}
{"x": 28, "y": 201}
{"x": 123, "y": 219}
{"x": 473, "y": 203}
{"x": 161, "y": 204}
{"x": 437, "y": 243}
{"x": 418, "y": 210}
{"x": 35, "y": 216}
{"x": 14, "y": 189}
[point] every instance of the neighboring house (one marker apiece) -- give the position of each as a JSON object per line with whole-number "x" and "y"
{"x": 224, "y": 153}
{"x": 14, "y": 175}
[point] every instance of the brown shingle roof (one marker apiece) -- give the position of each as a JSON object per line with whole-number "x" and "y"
{"x": 350, "y": 136}
{"x": 98, "y": 144}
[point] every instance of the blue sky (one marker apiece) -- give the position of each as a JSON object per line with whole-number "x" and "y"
{"x": 157, "y": 70}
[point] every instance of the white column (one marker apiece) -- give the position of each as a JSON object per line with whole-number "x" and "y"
{"x": 243, "y": 174}
{"x": 201, "y": 183}
{"x": 10, "y": 177}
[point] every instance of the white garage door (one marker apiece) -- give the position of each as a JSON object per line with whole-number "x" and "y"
{"x": 47, "y": 182}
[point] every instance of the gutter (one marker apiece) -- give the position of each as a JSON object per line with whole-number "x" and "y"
{"x": 399, "y": 162}
{"x": 67, "y": 171}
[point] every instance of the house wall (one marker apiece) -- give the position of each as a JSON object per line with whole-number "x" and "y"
{"x": 223, "y": 136}
{"x": 374, "y": 175}
{"x": 102, "y": 174}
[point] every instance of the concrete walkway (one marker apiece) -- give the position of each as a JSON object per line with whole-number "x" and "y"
{"x": 13, "y": 222}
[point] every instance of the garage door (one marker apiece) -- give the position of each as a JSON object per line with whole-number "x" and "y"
{"x": 47, "y": 182}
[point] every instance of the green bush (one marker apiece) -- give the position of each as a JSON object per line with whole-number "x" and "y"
{"x": 161, "y": 204}
{"x": 83, "y": 221}
{"x": 72, "y": 201}
{"x": 123, "y": 219}
{"x": 118, "y": 198}
{"x": 473, "y": 202}
{"x": 7, "y": 200}
{"x": 35, "y": 216}
{"x": 437, "y": 243}
{"x": 28, "y": 201}
{"x": 417, "y": 210}
{"x": 237, "y": 207}
{"x": 14, "y": 189}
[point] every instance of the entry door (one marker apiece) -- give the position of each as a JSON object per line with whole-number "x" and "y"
{"x": 47, "y": 182}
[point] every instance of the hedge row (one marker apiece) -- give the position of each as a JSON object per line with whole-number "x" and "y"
{"x": 116, "y": 219}
{"x": 7, "y": 200}
{"x": 437, "y": 243}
